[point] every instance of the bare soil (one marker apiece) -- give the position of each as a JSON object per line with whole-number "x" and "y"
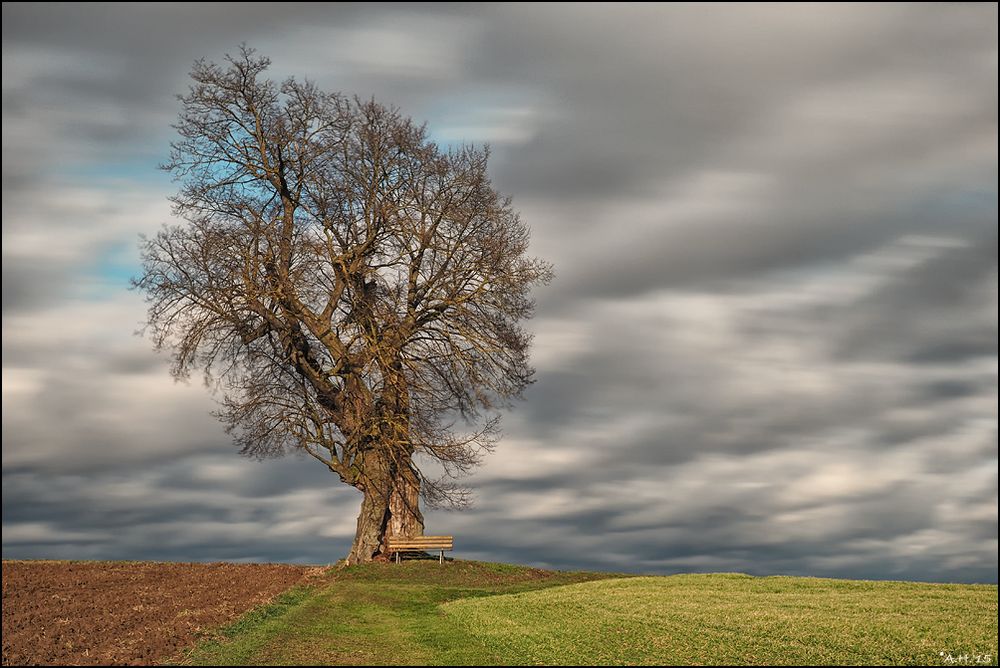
{"x": 127, "y": 613}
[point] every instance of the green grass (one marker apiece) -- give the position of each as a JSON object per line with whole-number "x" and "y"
{"x": 379, "y": 614}
{"x": 737, "y": 619}
{"x": 469, "y": 613}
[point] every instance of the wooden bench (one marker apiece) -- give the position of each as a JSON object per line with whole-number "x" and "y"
{"x": 399, "y": 544}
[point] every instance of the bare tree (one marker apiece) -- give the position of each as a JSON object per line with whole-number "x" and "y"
{"x": 352, "y": 290}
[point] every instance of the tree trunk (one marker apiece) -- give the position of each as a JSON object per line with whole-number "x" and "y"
{"x": 405, "y": 518}
{"x": 372, "y": 521}
{"x": 390, "y": 507}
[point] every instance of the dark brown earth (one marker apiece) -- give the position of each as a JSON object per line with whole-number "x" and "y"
{"x": 127, "y": 613}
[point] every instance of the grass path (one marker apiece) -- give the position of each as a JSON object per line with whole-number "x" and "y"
{"x": 469, "y": 613}
{"x": 379, "y": 614}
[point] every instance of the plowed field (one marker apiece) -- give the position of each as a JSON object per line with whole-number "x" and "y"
{"x": 126, "y": 613}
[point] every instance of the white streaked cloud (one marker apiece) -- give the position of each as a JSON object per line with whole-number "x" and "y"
{"x": 771, "y": 341}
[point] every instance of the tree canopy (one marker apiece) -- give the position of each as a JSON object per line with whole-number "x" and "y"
{"x": 354, "y": 291}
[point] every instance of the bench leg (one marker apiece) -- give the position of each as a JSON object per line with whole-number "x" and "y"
{"x": 397, "y": 557}
{"x": 441, "y": 560}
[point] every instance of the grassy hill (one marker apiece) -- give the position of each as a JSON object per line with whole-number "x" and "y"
{"x": 469, "y": 613}
{"x": 736, "y": 619}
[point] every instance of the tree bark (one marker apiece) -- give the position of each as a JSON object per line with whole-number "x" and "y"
{"x": 390, "y": 507}
{"x": 405, "y": 518}
{"x": 372, "y": 522}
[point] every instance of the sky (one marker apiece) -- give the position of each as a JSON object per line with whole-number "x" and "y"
{"x": 770, "y": 345}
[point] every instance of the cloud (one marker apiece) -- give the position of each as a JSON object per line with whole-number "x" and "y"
{"x": 771, "y": 345}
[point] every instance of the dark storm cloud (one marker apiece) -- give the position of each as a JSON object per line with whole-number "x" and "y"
{"x": 943, "y": 312}
{"x": 772, "y": 341}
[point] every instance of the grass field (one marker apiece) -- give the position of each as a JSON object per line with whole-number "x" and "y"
{"x": 737, "y": 619}
{"x": 469, "y": 613}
